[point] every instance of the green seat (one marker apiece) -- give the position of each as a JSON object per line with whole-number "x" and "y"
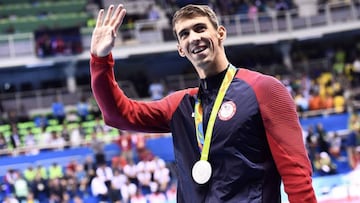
{"x": 36, "y": 130}
{"x": 62, "y": 14}
{"x": 26, "y": 125}
{"x": 5, "y": 127}
{"x": 26, "y": 9}
{"x": 53, "y": 122}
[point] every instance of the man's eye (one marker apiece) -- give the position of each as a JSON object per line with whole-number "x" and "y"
{"x": 183, "y": 35}
{"x": 200, "y": 28}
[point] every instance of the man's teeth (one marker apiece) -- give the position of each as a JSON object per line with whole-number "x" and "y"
{"x": 195, "y": 51}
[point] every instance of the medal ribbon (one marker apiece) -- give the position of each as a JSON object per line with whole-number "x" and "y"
{"x": 204, "y": 142}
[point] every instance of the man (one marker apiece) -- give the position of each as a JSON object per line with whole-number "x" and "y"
{"x": 249, "y": 139}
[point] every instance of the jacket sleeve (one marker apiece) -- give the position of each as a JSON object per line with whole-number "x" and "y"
{"x": 284, "y": 135}
{"x": 121, "y": 112}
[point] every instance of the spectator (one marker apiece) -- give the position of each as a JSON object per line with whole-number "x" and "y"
{"x": 58, "y": 45}
{"x": 301, "y": 102}
{"x": 65, "y": 133}
{"x": 71, "y": 166}
{"x": 357, "y": 159}
{"x": 97, "y": 145}
{"x": 55, "y": 171}
{"x": 9, "y": 179}
{"x": 156, "y": 196}
{"x": 354, "y": 121}
{"x": 3, "y": 142}
{"x": 10, "y": 199}
{"x": 42, "y": 171}
{"x": 119, "y": 161}
{"x": 105, "y": 173}
{"x": 156, "y": 90}
{"x": 77, "y": 199}
{"x": 58, "y": 110}
{"x": 56, "y": 190}
{"x": 323, "y": 164}
{"x": 15, "y": 138}
{"x": 76, "y": 136}
{"x": 352, "y": 142}
{"x": 30, "y": 198}
{"x": 335, "y": 145}
{"x": 117, "y": 181}
{"x": 339, "y": 103}
{"x": 12, "y": 117}
{"x": 44, "y": 138}
{"x": 21, "y": 187}
{"x": 323, "y": 146}
{"x": 82, "y": 179}
{"x": 137, "y": 196}
{"x": 314, "y": 101}
{"x": 30, "y": 143}
{"x": 171, "y": 194}
{"x": 127, "y": 191}
{"x": 144, "y": 177}
{"x": 130, "y": 170}
{"x": 40, "y": 187}
{"x": 327, "y": 101}
{"x": 43, "y": 46}
{"x": 29, "y": 174}
{"x": 252, "y": 11}
{"x": 162, "y": 174}
{"x": 311, "y": 143}
{"x": 99, "y": 126}
{"x": 152, "y": 13}
{"x": 126, "y": 146}
{"x": 99, "y": 189}
{"x": 89, "y": 167}
{"x": 356, "y": 71}
{"x": 56, "y": 142}
{"x": 83, "y": 108}
{"x": 41, "y": 121}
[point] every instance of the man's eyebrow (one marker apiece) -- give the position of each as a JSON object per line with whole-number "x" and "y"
{"x": 195, "y": 25}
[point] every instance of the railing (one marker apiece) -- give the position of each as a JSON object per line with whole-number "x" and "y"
{"x": 289, "y": 21}
{"x": 38, "y": 102}
{"x": 342, "y": 14}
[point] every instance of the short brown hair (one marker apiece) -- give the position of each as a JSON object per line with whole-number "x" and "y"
{"x": 189, "y": 11}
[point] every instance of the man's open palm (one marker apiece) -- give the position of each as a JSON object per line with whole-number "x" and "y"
{"x": 104, "y": 34}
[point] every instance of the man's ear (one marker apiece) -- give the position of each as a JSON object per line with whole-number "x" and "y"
{"x": 181, "y": 51}
{"x": 221, "y": 32}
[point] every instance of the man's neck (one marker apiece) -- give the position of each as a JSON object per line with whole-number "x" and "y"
{"x": 212, "y": 69}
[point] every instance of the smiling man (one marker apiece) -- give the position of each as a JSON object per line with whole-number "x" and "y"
{"x": 236, "y": 136}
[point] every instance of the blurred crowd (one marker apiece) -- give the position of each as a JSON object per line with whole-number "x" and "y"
{"x": 328, "y": 149}
{"x": 132, "y": 175}
{"x": 233, "y": 7}
{"x": 91, "y": 181}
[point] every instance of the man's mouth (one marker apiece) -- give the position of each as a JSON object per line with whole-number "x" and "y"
{"x": 198, "y": 49}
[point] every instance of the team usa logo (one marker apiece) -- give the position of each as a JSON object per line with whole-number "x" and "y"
{"x": 227, "y": 110}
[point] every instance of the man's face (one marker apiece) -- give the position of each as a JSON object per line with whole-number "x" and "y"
{"x": 198, "y": 40}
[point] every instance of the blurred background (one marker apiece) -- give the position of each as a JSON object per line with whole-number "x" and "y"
{"x": 55, "y": 147}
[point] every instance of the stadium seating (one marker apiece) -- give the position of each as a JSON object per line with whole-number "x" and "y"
{"x": 24, "y": 16}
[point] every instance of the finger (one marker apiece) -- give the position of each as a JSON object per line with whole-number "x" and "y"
{"x": 116, "y": 14}
{"x": 108, "y": 14}
{"x": 100, "y": 18}
{"x": 120, "y": 18}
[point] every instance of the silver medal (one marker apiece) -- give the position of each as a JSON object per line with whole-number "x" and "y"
{"x": 201, "y": 171}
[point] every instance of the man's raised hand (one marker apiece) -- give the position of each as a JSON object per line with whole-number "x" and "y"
{"x": 104, "y": 34}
